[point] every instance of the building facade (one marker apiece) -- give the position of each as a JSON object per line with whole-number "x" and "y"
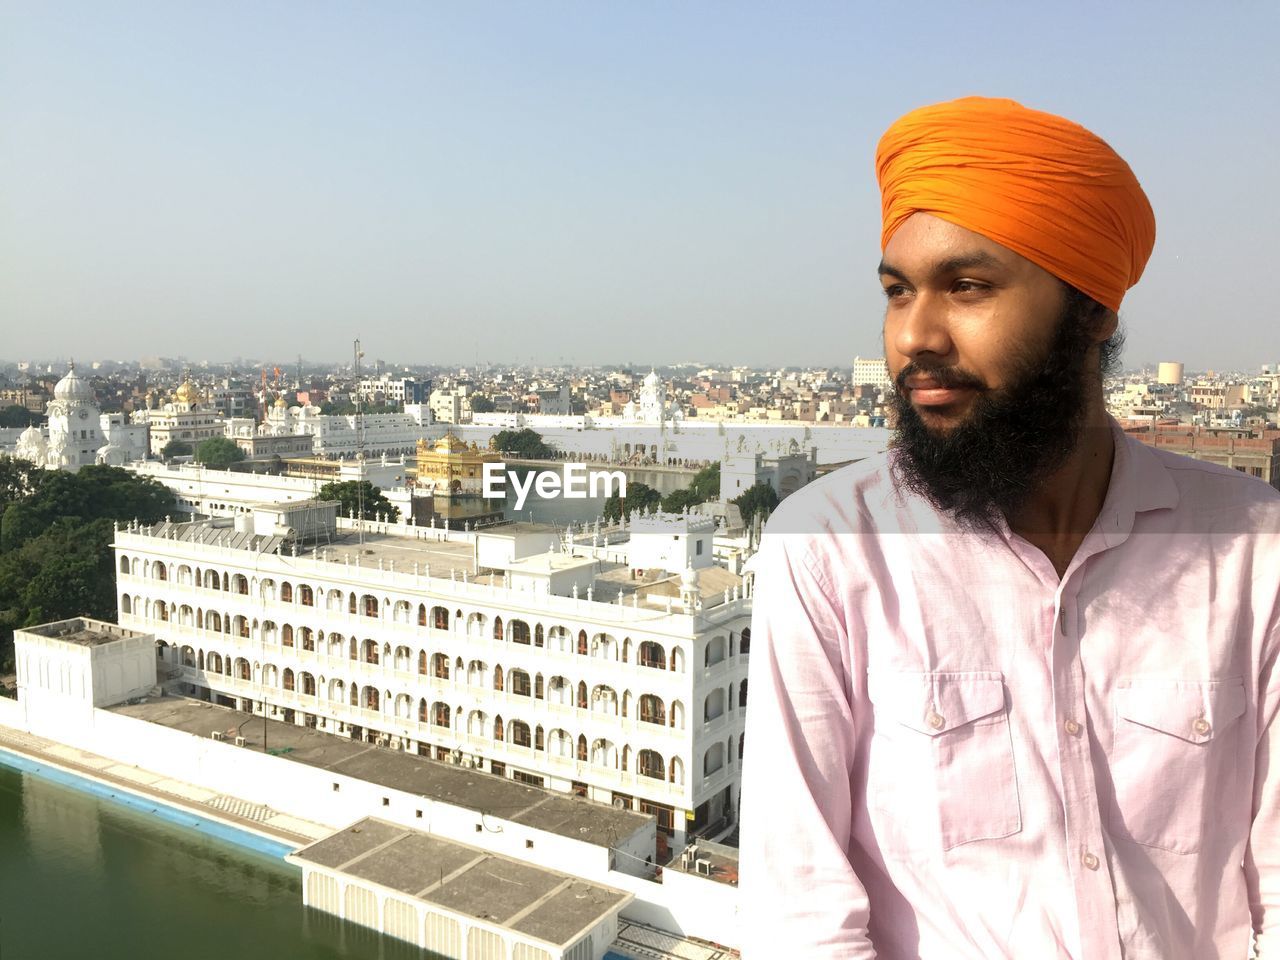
{"x": 568, "y": 669}
{"x": 79, "y": 433}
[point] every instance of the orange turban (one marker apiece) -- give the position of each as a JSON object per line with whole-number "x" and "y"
{"x": 1036, "y": 183}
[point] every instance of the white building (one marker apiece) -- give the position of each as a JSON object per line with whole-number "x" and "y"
{"x": 187, "y": 417}
{"x": 449, "y": 405}
{"x": 345, "y": 435}
{"x": 65, "y": 669}
{"x": 873, "y": 371}
{"x": 782, "y": 465}
{"x": 78, "y": 433}
{"x": 570, "y": 669}
{"x": 206, "y": 492}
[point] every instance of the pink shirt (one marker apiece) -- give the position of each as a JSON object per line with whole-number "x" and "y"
{"x": 953, "y": 755}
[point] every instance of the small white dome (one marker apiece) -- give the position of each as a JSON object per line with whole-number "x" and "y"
{"x": 72, "y": 388}
{"x": 689, "y": 578}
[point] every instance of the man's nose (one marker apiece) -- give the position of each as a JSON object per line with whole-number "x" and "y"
{"x": 921, "y": 327}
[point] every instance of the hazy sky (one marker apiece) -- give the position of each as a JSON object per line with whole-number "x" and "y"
{"x": 599, "y": 182}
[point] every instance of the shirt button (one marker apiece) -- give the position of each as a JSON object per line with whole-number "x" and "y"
{"x": 934, "y": 720}
{"x": 1073, "y": 728}
{"x": 1201, "y": 726}
{"x": 1090, "y": 861}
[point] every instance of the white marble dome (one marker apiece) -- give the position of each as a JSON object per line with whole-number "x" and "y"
{"x": 72, "y": 389}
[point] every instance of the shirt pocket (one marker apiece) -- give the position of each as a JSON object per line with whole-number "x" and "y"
{"x": 941, "y": 767}
{"x": 1174, "y": 750}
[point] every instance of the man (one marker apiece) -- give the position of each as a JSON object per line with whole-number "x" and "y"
{"x": 1013, "y": 685}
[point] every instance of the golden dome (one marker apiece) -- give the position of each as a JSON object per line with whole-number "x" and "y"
{"x": 280, "y": 404}
{"x": 185, "y": 393}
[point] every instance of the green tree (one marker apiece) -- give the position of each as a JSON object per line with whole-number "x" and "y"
{"x": 526, "y": 444}
{"x": 640, "y": 496}
{"x": 18, "y": 479}
{"x": 16, "y": 416}
{"x": 176, "y": 448}
{"x": 218, "y": 452}
{"x": 678, "y": 500}
{"x": 704, "y": 486}
{"x": 55, "y": 545}
{"x": 350, "y": 493}
{"x": 480, "y": 404}
{"x": 761, "y": 498}
{"x": 95, "y": 492}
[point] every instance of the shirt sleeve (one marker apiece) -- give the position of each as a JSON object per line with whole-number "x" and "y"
{"x": 799, "y": 895}
{"x": 1262, "y": 856}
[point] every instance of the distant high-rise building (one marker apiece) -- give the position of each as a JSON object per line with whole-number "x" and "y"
{"x": 871, "y": 371}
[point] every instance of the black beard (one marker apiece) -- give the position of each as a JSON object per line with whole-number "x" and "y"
{"x": 1012, "y": 440}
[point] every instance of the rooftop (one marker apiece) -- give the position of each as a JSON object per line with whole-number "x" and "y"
{"x": 542, "y": 809}
{"x": 422, "y": 553}
{"x": 82, "y": 631}
{"x": 534, "y": 901}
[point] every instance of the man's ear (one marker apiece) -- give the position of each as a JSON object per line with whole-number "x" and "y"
{"x": 1103, "y": 323}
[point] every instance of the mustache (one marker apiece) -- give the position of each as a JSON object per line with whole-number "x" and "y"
{"x": 949, "y": 378}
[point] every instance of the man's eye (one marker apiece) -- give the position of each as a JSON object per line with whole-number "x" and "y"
{"x": 895, "y": 291}
{"x": 969, "y": 286}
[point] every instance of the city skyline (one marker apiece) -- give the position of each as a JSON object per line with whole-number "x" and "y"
{"x": 573, "y": 184}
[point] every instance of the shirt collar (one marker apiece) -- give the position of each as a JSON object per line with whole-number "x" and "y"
{"x": 1139, "y": 483}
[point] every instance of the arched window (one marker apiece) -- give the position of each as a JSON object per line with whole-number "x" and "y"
{"x": 124, "y": 565}
{"x": 713, "y": 760}
{"x": 519, "y": 632}
{"x": 288, "y": 679}
{"x": 308, "y": 684}
{"x": 520, "y": 735}
{"x": 351, "y": 603}
{"x": 499, "y": 734}
{"x": 649, "y": 763}
{"x": 126, "y": 605}
{"x": 652, "y": 709}
{"x": 744, "y": 647}
{"x": 582, "y": 643}
{"x": 286, "y": 593}
{"x": 440, "y": 618}
{"x": 440, "y": 714}
{"x": 582, "y": 695}
{"x": 497, "y": 677}
{"x": 582, "y": 748}
{"x": 652, "y": 655}
{"x": 422, "y": 662}
{"x": 440, "y": 666}
{"x": 308, "y": 639}
{"x": 422, "y": 614}
{"x": 497, "y": 628}
{"x": 742, "y": 694}
{"x": 520, "y": 684}
{"x": 715, "y": 652}
{"x": 306, "y": 596}
{"x": 370, "y": 604}
{"x": 538, "y": 635}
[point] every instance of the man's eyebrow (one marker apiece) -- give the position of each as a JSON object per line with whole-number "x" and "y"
{"x": 962, "y": 261}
